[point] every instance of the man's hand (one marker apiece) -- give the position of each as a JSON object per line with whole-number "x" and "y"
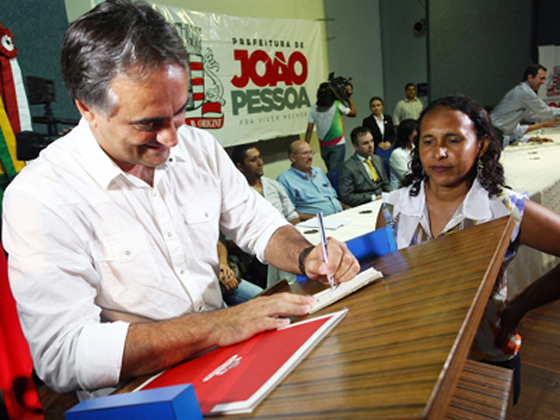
{"x": 349, "y": 90}
{"x": 243, "y": 321}
{"x": 227, "y": 278}
{"x": 535, "y": 139}
{"x": 343, "y": 266}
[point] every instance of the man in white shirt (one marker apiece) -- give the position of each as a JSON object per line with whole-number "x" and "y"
{"x": 409, "y": 108}
{"x": 112, "y": 231}
{"x": 522, "y": 103}
{"x": 249, "y": 161}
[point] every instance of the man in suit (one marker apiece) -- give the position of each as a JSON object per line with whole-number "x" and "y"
{"x": 362, "y": 178}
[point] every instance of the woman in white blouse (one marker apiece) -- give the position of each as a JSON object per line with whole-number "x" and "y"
{"x": 400, "y": 157}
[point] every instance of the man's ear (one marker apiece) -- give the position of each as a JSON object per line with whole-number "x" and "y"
{"x": 89, "y": 115}
{"x": 240, "y": 167}
{"x": 292, "y": 158}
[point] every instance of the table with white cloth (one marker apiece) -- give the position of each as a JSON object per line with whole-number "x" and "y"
{"x": 533, "y": 168}
{"x": 356, "y": 221}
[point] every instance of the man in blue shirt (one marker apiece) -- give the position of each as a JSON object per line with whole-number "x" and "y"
{"x": 307, "y": 186}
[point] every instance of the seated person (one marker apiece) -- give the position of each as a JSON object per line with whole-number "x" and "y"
{"x": 112, "y": 232}
{"x": 401, "y": 152}
{"x": 522, "y": 103}
{"x": 248, "y": 160}
{"x": 307, "y": 186}
{"x": 457, "y": 182}
{"x": 234, "y": 289}
{"x": 362, "y": 178}
{"x": 382, "y": 130}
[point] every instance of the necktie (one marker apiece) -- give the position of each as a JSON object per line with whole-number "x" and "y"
{"x": 372, "y": 171}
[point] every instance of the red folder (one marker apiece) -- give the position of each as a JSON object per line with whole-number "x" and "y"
{"x": 234, "y": 379}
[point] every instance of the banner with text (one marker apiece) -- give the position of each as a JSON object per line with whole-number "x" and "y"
{"x": 549, "y": 56}
{"x": 251, "y": 78}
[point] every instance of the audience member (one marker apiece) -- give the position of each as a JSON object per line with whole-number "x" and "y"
{"x": 234, "y": 289}
{"x": 401, "y": 152}
{"x": 382, "y": 129}
{"x": 408, "y": 108}
{"x": 306, "y": 185}
{"x": 249, "y": 161}
{"x": 362, "y": 178}
{"x": 457, "y": 182}
{"x": 112, "y": 232}
{"x": 522, "y": 103}
{"x": 327, "y": 114}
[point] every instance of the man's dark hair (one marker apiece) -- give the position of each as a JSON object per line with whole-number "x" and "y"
{"x": 375, "y": 98}
{"x": 409, "y": 84}
{"x": 492, "y": 174}
{"x": 532, "y": 70}
{"x": 240, "y": 153}
{"x": 406, "y": 128}
{"x": 357, "y": 133}
{"x": 116, "y": 37}
{"x": 325, "y": 97}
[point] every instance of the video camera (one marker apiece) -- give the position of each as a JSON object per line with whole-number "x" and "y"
{"x": 338, "y": 85}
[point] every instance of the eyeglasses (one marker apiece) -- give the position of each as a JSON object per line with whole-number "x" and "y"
{"x": 309, "y": 153}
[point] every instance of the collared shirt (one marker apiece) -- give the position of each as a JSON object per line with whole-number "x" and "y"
{"x": 276, "y": 195}
{"x": 310, "y": 195}
{"x": 380, "y": 123}
{"x": 521, "y": 103}
{"x": 89, "y": 243}
{"x": 409, "y": 218}
{"x": 406, "y": 109}
{"x": 363, "y": 160}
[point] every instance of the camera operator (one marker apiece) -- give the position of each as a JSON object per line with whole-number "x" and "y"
{"x": 327, "y": 113}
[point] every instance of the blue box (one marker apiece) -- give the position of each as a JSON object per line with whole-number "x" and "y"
{"x": 173, "y": 402}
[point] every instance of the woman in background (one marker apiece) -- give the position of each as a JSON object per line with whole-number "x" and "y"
{"x": 401, "y": 152}
{"x": 382, "y": 129}
{"x": 456, "y": 182}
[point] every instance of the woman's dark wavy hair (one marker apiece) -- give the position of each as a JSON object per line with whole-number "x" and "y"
{"x": 406, "y": 128}
{"x": 491, "y": 176}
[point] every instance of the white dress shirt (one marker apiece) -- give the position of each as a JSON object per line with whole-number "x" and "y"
{"x": 93, "y": 248}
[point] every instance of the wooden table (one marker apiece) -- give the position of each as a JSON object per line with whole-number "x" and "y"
{"x": 400, "y": 350}
{"x": 402, "y": 346}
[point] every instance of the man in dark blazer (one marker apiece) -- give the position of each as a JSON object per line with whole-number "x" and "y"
{"x": 362, "y": 178}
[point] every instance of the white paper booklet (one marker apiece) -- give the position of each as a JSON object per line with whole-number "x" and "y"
{"x": 326, "y": 297}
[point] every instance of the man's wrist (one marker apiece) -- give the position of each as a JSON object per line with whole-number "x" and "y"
{"x": 301, "y": 259}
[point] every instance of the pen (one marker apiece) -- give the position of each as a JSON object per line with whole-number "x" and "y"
{"x": 324, "y": 245}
